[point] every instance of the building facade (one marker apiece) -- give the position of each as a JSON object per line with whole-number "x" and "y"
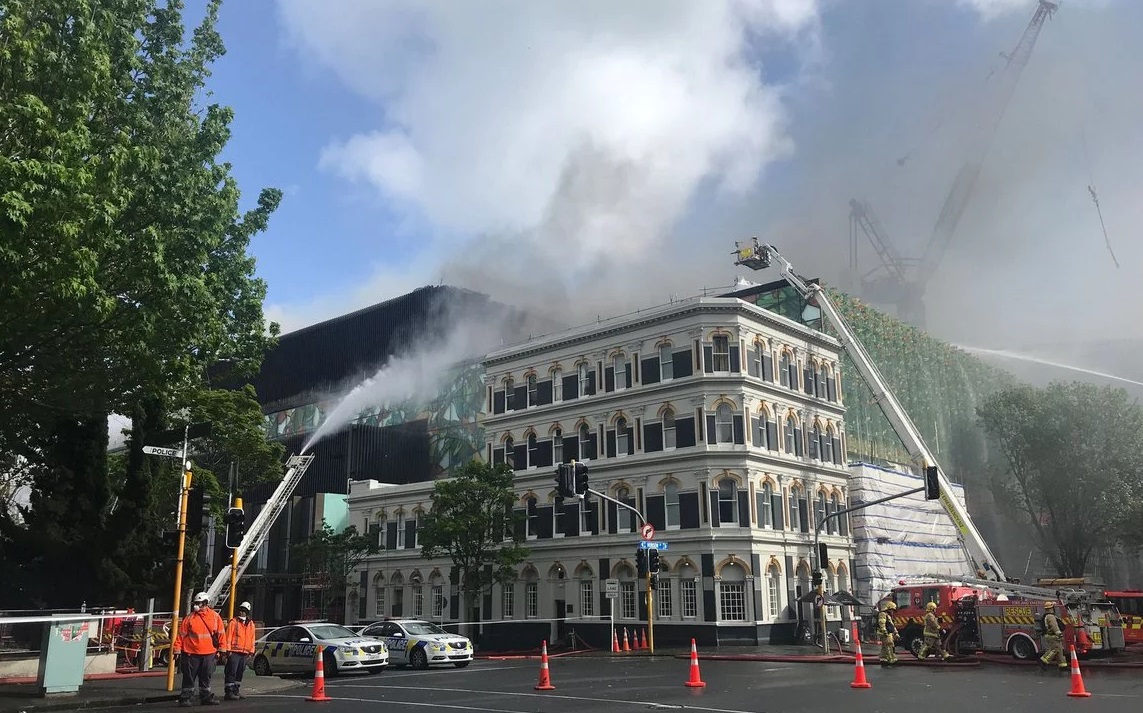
{"x": 718, "y": 420}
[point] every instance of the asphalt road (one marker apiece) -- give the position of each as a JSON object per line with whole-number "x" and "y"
{"x": 628, "y": 685}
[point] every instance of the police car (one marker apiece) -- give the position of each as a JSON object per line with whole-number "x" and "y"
{"x": 293, "y": 649}
{"x": 418, "y": 643}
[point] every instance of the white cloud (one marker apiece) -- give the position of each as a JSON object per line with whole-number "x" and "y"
{"x": 592, "y": 123}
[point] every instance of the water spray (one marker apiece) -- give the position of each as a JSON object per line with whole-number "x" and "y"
{"x": 1004, "y": 353}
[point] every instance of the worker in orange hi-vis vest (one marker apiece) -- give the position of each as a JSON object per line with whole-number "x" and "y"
{"x": 199, "y": 641}
{"x": 239, "y": 647}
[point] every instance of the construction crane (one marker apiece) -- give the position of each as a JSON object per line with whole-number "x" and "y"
{"x": 908, "y": 292}
{"x": 759, "y": 257}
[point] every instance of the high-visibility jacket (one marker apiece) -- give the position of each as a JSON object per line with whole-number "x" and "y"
{"x": 932, "y": 626}
{"x": 198, "y": 631}
{"x": 240, "y": 636}
{"x": 1051, "y": 625}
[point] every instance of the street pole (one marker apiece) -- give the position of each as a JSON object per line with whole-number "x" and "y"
{"x": 650, "y": 597}
{"x": 186, "y": 477}
{"x": 650, "y": 609}
{"x": 234, "y": 569}
{"x": 817, "y": 550}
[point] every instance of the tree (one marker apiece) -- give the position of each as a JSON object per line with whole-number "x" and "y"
{"x": 126, "y": 275}
{"x": 334, "y": 556}
{"x": 473, "y": 524}
{"x": 1074, "y": 456}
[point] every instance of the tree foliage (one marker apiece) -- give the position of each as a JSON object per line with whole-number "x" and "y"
{"x": 335, "y": 555}
{"x": 1074, "y": 456}
{"x": 473, "y": 524}
{"x": 126, "y": 275}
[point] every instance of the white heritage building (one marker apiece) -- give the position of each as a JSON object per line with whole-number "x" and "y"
{"x": 717, "y": 419}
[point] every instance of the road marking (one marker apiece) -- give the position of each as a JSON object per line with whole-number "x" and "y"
{"x": 435, "y": 672}
{"x": 404, "y": 703}
{"x": 552, "y": 695}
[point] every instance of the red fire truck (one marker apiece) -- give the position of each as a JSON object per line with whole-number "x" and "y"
{"x": 983, "y": 616}
{"x": 1129, "y": 602}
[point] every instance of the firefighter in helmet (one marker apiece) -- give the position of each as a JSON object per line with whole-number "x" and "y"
{"x": 887, "y": 632}
{"x": 932, "y": 635}
{"x": 1054, "y": 635}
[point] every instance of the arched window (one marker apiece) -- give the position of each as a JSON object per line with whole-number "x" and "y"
{"x": 727, "y": 501}
{"x": 584, "y": 441}
{"x": 666, "y": 363}
{"x": 821, "y": 510}
{"x": 724, "y": 424}
{"x": 509, "y": 391}
{"x": 533, "y": 446}
{"x": 585, "y": 385}
{"x": 558, "y": 446}
{"x": 797, "y": 507}
{"x": 784, "y": 370}
{"x": 622, "y": 442}
{"x": 732, "y": 593}
{"x": 619, "y": 365}
{"x": 830, "y": 388}
{"x": 557, "y": 385}
{"x": 815, "y": 441}
{"x": 531, "y": 515}
{"x": 671, "y": 499}
{"x": 509, "y": 447}
{"x": 624, "y": 519}
{"x": 773, "y": 592}
{"x": 533, "y": 384}
{"x": 827, "y": 445}
{"x": 668, "y": 429}
{"x": 791, "y": 435}
{"x": 765, "y": 498}
{"x": 840, "y": 525}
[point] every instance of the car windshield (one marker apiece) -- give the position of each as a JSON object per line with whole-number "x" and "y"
{"x": 331, "y": 631}
{"x": 423, "y": 628}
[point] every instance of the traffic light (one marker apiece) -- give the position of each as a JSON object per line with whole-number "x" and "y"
{"x": 565, "y": 480}
{"x": 641, "y": 562}
{"x": 653, "y": 561}
{"x": 817, "y": 578}
{"x": 580, "y": 479}
{"x": 196, "y": 500}
{"x": 204, "y": 516}
{"x": 235, "y": 527}
{"x": 932, "y": 485}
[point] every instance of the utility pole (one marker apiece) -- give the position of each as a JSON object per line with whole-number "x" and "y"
{"x": 234, "y": 568}
{"x": 185, "y": 476}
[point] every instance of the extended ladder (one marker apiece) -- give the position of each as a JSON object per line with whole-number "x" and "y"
{"x": 259, "y": 530}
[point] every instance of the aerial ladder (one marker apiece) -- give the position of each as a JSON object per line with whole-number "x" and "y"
{"x": 259, "y": 530}
{"x": 758, "y": 257}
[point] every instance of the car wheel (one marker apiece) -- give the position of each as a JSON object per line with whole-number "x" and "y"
{"x": 461, "y": 664}
{"x": 914, "y": 645}
{"x": 1021, "y": 648}
{"x": 329, "y": 664}
{"x": 419, "y": 659}
{"x": 262, "y": 666}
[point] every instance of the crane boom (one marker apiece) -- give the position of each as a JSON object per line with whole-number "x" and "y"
{"x": 259, "y": 530}
{"x": 965, "y": 181}
{"x": 759, "y": 256}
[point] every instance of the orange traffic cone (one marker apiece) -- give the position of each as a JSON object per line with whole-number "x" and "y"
{"x": 859, "y": 666}
{"x": 1078, "y": 691}
{"x": 545, "y": 683}
{"x": 615, "y": 642}
{"x": 626, "y": 644}
{"x": 643, "y": 639}
{"x": 695, "y": 681}
{"x": 318, "y": 693}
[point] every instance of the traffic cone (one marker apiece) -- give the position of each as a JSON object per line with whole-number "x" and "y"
{"x": 695, "y": 681}
{"x": 545, "y": 683}
{"x": 318, "y": 693}
{"x": 859, "y": 666}
{"x": 643, "y": 639}
{"x": 626, "y": 644}
{"x": 1078, "y": 691}
{"x": 615, "y": 643}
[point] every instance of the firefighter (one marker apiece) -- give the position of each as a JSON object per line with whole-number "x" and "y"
{"x": 932, "y": 635}
{"x": 239, "y": 647}
{"x": 887, "y": 632}
{"x": 1054, "y": 635}
{"x": 199, "y": 641}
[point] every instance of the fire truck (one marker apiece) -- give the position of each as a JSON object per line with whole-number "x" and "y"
{"x": 982, "y": 616}
{"x": 1129, "y": 602}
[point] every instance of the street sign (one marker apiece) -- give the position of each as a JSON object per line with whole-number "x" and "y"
{"x": 166, "y": 452}
{"x": 647, "y": 531}
{"x": 611, "y": 588}
{"x": 648, "y": 545}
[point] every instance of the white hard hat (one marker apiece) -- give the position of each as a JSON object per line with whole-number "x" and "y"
{"x": 201, "y": 597}
{"x": 244, "y": 605}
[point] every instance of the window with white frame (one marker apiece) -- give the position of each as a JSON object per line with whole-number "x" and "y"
{"x": 532, "y": 599}
{"x": 401, "y": 531}
{"x": 791, "y": 435}
{"x": 379, "y": 601}
{"x": 533, "y": 449}
{"x": 584, "y": 435}
{"x": 765, "y": 500}
{"x": 795, "y": 510}
{"x": 671, "y": 502}
{"x": 666, "y": 363}
{"x": 688, "y": 591}
{"x": 509, "y": 601}
{"x": 623, "y": 516}
{"x": 773, "y": 591}
{"x": 663, "y": 599}
{"x": 558, "y": 446}
{"x": 584, "y": 380}
{"x": 510, "y": 452}
{"x": 557, "y": 385}
{"x": 668, "y": 429}
{"x": 586, "y": 597}
{"x": 821, "y": 509}
{"x": 438, "y": 601}
{"x": 533, "y": 385}
{"x": 732, "y": 594}
{"x": 532, "y": 517}
{"x": 418, "y": 600}
{"x": 509, "y": 391}
{"x": 784, "y": 370}
{"x": 621, "y": 444}
{"x": 586, "y": 519}
{"x": 721, "y": 353}
{"x": 727, "y": 501}
{"x": 627, "y": 607}
{"x": 827, "y": 445}
{"x": 723, "y": 424}
{"x": 619, "y": 365}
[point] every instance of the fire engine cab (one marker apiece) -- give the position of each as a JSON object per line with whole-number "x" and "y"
{"x": 981, "y": 616}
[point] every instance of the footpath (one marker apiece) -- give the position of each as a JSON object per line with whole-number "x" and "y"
{"x": 126, "y": 689}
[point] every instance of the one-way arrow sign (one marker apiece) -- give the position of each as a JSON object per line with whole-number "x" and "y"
{"x": 159, "y": 451}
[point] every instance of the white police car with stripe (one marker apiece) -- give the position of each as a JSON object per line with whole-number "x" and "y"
{"x": 293, "y": 649}
{"x": 418, "y": 643}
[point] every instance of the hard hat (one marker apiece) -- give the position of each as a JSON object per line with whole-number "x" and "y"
{"x": 244, "y": 605}
{"x": 1049, "y": 605}
{"x": 890, "y": 606}
{"x": 201, "y": 598}
{"x": 930, "y": 606}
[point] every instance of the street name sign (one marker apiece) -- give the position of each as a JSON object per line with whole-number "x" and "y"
{"x": 165, "y": 452}
{"x": 648, "y": 545}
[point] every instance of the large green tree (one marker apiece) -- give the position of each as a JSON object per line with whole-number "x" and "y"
{"x": 1074, "y": 457}
{"x": 473, "y": 524}
{"x": 126, "y": 275}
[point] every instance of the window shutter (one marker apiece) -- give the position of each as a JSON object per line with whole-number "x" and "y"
{"x": 544, "y": 393}
{"x": 571, "y": 519}
{"x": 498, "y": 402}
{"x": 592, "y": 447}
{"x": 544, "y": 522}
{"x": 714, "y": 520}
{"x": 808, "y": 380}
{"x": 837, "y": 452}
{"x": 735, "y": 359}
{"x": 611, "y": 444}
{"x": 767, "y": 366}
{"x": 590, "y": 384}
{"x": 681, "y": 364}
{"x": 612, "y": 518}
{"x": 571, "y": 388}
{"x": 710, "y": 434}
{"x": 803, "y": 514}
{"x": 843, "y": 524}
{"x": 743, "y": 508}
{"x": 831, "y": 389}
{"x": 543, "y": 456}
{"x": 571, "y": 448}
{"x": 657, "y": 511}
{"x": 650, "y": 371}
{"x": 757, "y": 435}
{"x": 652, "y": 437}
{"x": 520, "y": 457}
{"x": 391, "y": 536}
{"x": 609, "y": 379}
{"x": 627, "y": 374}
{"x": 593, "y": 515}
{"x": 630, "y": 440}
{"x": 752, "y": 364}
{"x": 799, "y": 444}
{"x": 684, "y": 432}
{"x": 410, "y": 534}
{"x": 708, "y": 358}
{"x": 777, "y": 512}
{"x": 772, "y": 435}
{"x": 497, "y": 456}
{"x": 739, "y": 429}
{"x": 520, "y": 398}
{"x": 689, "y": 511}
{"x": 813, "y": 441}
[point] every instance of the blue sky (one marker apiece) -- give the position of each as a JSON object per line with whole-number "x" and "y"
{"x": 855, "y": 83}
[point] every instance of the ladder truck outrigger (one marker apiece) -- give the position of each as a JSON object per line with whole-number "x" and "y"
{"x": 962, "y": 607}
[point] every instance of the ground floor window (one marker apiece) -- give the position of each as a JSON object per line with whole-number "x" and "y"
{"x": 509, "y": 601}
{"x": 689, "y": 588}
{"x": 379, "y": 603}
{"x": 627, "y": 608}
{"x": 663, "y": 599}
{"x": 732, "y": 601}
{"x": 587, "y": 598}
{"x": 773, "y": 594}
{"x": 532, "y": 599}
{"x": 438, "y": 602}
{"x": 418, "y": 600}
